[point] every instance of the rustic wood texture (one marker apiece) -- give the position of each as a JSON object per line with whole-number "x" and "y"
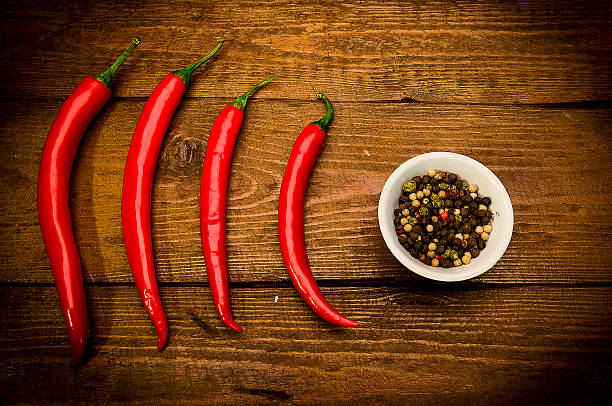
{"x": 524, "y": 87}
{"x": 443, "y": 51}
{"x": 541, "y": 155}
{"x": 414, "y": 345}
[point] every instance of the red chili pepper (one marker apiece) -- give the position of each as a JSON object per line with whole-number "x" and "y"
{"x": 138, "y": 184}
{"x": 301, "y": 163}
{"x": 58, "y": 154}
{"x": 213, "y": 196}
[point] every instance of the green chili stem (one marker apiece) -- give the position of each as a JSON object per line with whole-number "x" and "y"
{"x": 241, "y": 101}
{"x": 106, "y": 77}
{"x": 185, "y": 73}
{"x": 323, "y": 123}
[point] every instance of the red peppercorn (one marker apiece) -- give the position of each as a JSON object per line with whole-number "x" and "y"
{"x": 444, "y": 215}
{"x": 398, "y": 232}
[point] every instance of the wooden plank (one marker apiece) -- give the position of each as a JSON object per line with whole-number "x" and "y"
{"x": 547, "y": 158}
{"x": 506, "y": 345}
{"x": 477, "y": 52}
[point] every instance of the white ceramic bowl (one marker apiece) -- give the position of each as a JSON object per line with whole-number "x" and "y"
{"x": 473, "y": 172}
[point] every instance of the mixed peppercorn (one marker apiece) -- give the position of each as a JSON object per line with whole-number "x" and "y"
{"x": 442, "y": 220}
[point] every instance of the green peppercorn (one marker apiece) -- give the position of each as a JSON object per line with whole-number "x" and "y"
{"x": 426, "y": 200}
{"x": 412, "y": 220}
{"x": 438, "y": 204}
{"x": 423, "y": 211}
{"x": 458, "y": 218}
{"x": 409, "y": 186}
{"x": 443, "y": 185}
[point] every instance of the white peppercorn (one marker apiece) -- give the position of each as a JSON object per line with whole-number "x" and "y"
{"x": 488, "y": 228}
{"x": 484, "y": 236}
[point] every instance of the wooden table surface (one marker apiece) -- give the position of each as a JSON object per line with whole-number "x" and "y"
{"x": 524, "y": 87}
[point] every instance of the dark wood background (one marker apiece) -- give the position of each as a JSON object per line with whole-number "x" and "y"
{"x": 524, "y": 87}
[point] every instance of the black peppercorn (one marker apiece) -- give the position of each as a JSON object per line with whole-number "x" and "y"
{"x": 453, "y": 234}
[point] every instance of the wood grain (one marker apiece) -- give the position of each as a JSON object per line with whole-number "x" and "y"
{"x": 545, "y": 158}
{"x": 414, "y": 345}
{"x": 524, "y": 87}
{"x": 443, "y": 51}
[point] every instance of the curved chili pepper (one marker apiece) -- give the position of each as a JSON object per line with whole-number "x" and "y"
{"x": 301, "y": 163}
{"x": 58, "y": 153}
{"x": 138, "y": 184}
{"x": 213, "y": 196}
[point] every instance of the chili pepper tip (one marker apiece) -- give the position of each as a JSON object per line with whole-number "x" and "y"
{"x": 136, "y": 40}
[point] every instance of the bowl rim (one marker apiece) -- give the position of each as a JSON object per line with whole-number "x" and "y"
{"x": 436, "y": 273}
